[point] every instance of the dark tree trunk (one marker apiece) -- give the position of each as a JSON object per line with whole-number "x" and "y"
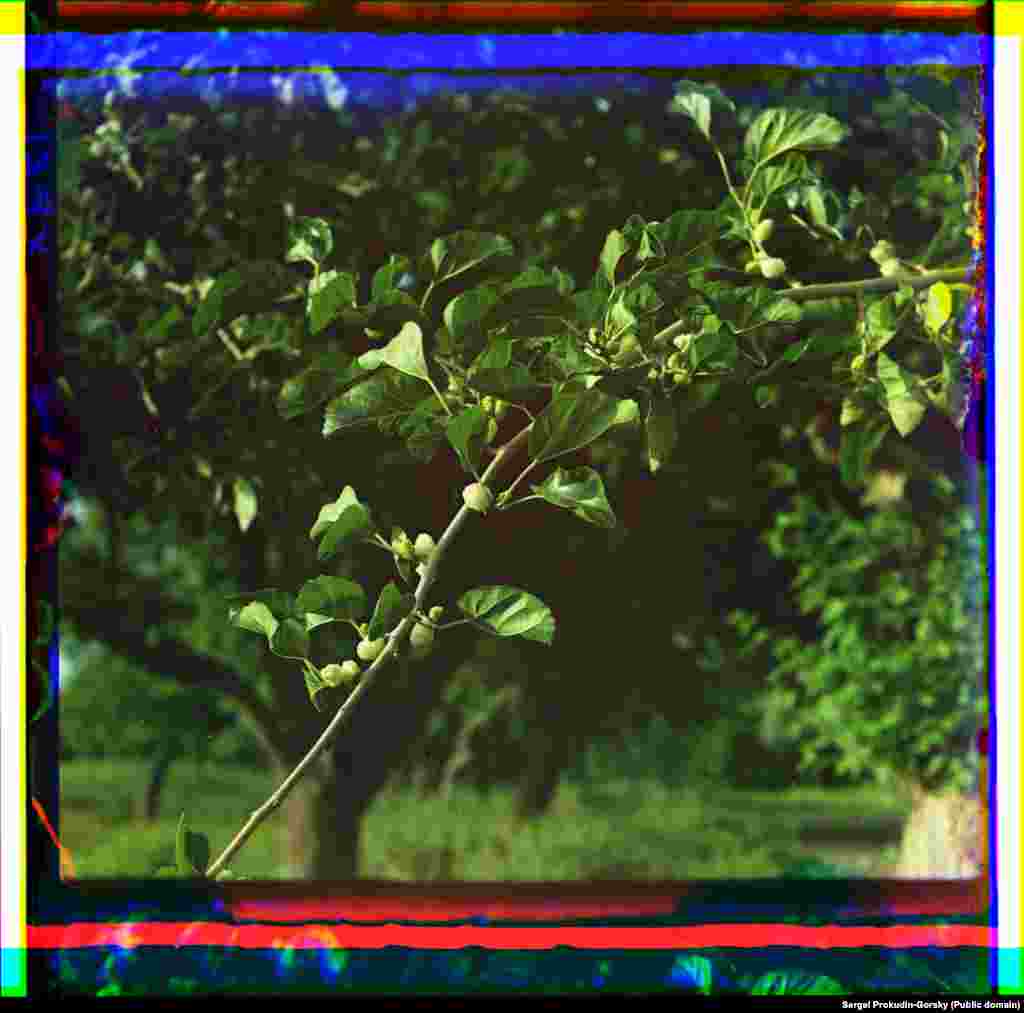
{"x": 157, "y": 778}
{"x": 325, "y": 822}
{"x": 549, "y": 752}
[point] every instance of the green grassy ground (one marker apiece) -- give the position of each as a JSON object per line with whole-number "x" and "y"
{"x": 620, "y": 829}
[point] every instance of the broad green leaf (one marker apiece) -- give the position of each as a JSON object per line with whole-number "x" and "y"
{"x": 211, "y": 311}
{"x": 497, "y": 355}
{"x": 250, "y": 288}
{"x": 777, "y": 131}
{"x": 352, "y": 525}
{"x": 256, "y": 618}
{"x": 405, "y": 352}
{"x": 580, "y": 490}
{"x": 383, "y": 397}
{"x": 880, "y": 324}
{"x": 290, "y": 640}
{"x": 309, "y": 239}
{"x": 615, "y": 248}
{"x": 313, "y": 620}
{"x": 509, "y": 612}
{"x": 564, "y": 281}
{"x": 532, "y": 301}
{"x": 852, "y": 412}
{"x": 336, "y": 597}
{"x": 590, "y": 306}
{"x": 319, "y": 382}
{"x": 466, "y": 432}
{"x": 782, "y": 175}
{"x": 783, "y": 311}
{"x": 696, "y": 100}
{"x": 191, "y": 850}
{"x": 467, "y": 311}
{"x": 329, "y": 293}
{"x": 939, "y": 307}
{"x": 571, "y": 421}
{"x": 714, "y": 349}
{"x": 904, "y": 398}
{"x": 662, "y": 432}
{"x": 315, "y": 687}
{"x": 246, "y": 503}
{"x": 392, "y": 607}
{"x": 857, "y": 447}
{"x": 512, "y": 383}
{"x": 330, "y": 512}
{"x": 461, "y": 251}
{"x": 686, "y": 233}
{"x": 385, "y": 279}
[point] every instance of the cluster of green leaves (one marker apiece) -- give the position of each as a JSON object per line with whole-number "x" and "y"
{"x": 896, "y": 673}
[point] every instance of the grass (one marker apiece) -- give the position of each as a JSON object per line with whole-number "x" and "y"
{"x": 621, "y": 829}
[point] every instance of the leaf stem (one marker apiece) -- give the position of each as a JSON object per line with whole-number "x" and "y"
{"x": 397, "y": 635}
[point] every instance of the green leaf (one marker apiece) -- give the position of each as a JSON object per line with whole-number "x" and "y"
{"x": 580, "y": 490}
{"x": 248, "y": 289}
{"x": 714, "y": 349}
{"x": 466, "y": 433}
{"x": 309, "y": 239}
{"x": 662, "y": 432}
{"x": 330, "y": 512}
{"x": 904, "y": 397}
{"x": 783, "y": 175}
{"x": 852, "y": 412}
{"x": 313, "y": 621}
{"x": 315, "y": 687}
{"x": 857, "y": 447}
{"x": 696, "y": 100}
{"x": 383, "y": 397}
{"x": 509, "y": 612}
{"x": 880, "y": 323}
{"x": 191, "y": 850}
{"x": 404, "y": 352}
{"x": 512, "y": 383}
{"x": 256, "y": 618}
{"x": 777, "y": 131}
{"x": 532, "y": 301}
{"x": 353, "y": 524}
{"x": 461, "y": 251}
{"x": 497, "y": 355}
{"x": 290, "y": 640}
{"x": 686, "y": 233}
{"x": 385, "y": 279}
{"x": 336, "y": 597}
{"x": 783, "y": 311}
{"x": 329, "y": 293}
{"x": 766, "y": 396}
{"x": 463, "y": 315}
{"x": 211, "y": 311}
{"x": 246, "y": 503}
{"x": 573, "y": 420}
{"x": 392, "y": 607}
{"x": 319, "y": 382}
{"x": 939, "y": 307}
{"x": 615, "y": 248}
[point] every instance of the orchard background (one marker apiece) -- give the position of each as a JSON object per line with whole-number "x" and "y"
{"x": 697, "y": 714}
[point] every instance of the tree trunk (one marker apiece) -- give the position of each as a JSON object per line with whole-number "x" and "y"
{"x": 157, "y": 777}
{"x": 549, "y": 750}
{"x": 325, "y": 816}
{"x": 943, "y": 837}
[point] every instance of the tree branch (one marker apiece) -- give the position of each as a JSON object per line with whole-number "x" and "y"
{"x": 397, "y": 636}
